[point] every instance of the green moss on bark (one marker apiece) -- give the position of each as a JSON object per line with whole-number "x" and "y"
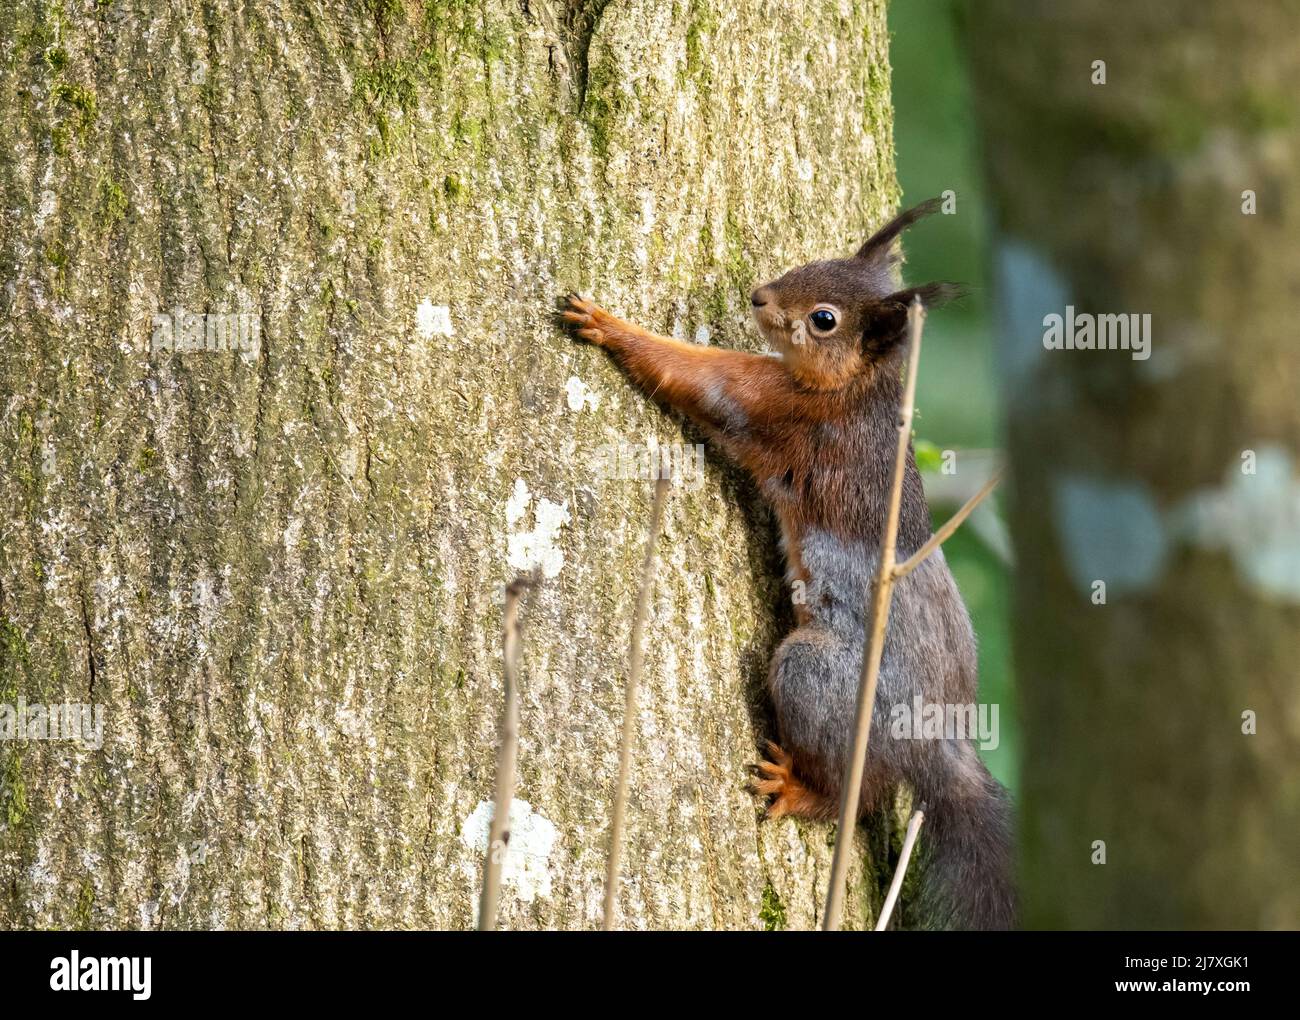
{"x": 289, "y": 566}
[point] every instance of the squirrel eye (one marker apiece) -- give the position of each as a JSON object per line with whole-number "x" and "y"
{"x": 822, "y": 320}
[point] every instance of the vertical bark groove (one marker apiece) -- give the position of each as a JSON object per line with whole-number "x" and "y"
{"x": 294, "y": 557}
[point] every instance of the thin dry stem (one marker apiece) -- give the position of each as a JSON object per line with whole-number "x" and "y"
{"x": 507, "y": 752}
{"x": 877, "y": 619}
{"x": 637, "y": 658}
{"x": 909, "y": 841}
{"x": 949, "y": 526}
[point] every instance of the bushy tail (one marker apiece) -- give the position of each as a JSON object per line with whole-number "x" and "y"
{"x": 967, "y": 881}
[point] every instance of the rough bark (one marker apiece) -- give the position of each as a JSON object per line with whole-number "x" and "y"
{"x": 281, "y": 575}
{"x": 1127, "y": 197}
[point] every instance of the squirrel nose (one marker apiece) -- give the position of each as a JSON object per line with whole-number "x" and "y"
{"x": 757, "y": 299}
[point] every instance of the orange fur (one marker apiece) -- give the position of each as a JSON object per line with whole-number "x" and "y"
{"x": 791, "y": 795}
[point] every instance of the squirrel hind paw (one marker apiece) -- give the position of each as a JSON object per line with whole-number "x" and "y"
{"x": 777, "y": 779}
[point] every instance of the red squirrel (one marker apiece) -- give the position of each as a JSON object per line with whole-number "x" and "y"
{"x": 816, "y": 427}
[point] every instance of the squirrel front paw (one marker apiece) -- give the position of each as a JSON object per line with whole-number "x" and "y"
{"x": 585, "y": 319}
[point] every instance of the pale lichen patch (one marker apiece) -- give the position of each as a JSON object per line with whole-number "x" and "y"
{"x": 525, "y": 864}
{"x": 578, "y": 395}
{"x": 433, "y": 320}
{"x": 536, "y": 548}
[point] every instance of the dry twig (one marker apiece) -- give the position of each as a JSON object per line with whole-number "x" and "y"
{"x": 949, "y": 526}
{"x": 637, "y": 658}
{"x": 507, "y": 752}
{"x": 882, "y": 590}
{"x": 909, "y": 841}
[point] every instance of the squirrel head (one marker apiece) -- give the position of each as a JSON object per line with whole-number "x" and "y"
{"x": 835, "y": 319}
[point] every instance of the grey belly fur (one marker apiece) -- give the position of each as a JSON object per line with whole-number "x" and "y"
{"x": 929, "y": 650}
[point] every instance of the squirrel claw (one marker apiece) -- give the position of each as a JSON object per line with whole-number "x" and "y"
{"x": 579, "y": 315}
{"x": 778, "y": 780}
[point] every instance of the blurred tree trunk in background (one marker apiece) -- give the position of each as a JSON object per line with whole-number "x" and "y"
{"x": 1173, "y": 480}
{"x": 280, "y": 572}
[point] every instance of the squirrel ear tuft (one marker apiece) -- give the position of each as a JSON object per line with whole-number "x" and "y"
{"x": 931, "y": 294}
{"x": 877, "y": 244}
{"x": 886, "y": 319}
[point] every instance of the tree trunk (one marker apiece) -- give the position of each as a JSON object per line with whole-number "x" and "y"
{"x": 278, "y": 567}
{"x": 1162, "y": 721}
